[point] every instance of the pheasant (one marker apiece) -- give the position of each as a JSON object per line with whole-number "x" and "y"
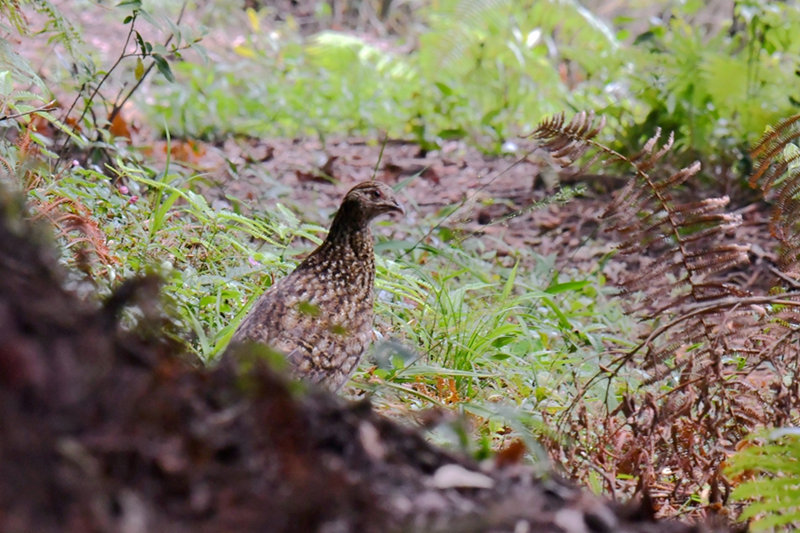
{"x": 320, "y": 315}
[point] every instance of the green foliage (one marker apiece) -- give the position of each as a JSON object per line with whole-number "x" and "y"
{"x": 158, "y": 222}
{"x": 770, "y": 468}
{"x": 21, "y": 89}
{"x": 487, "y": 78}
{"x": 86, "y": 121}
{"x": 54, "y": 24}
{"x": 331, "y": 85}
{"x": 503, "y": 343}
{"x": 489, "y": 70}
{"x": 18, "y": 70}
{"x": 717, "y": 92}
{"x": 495, "y": 67}
{"x": 511, "y": 343}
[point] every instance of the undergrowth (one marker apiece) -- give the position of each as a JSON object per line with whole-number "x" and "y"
{"x": 647, "y": 389}
{"x": 279, "y": 82}
{"x": 766, "y": 471}
{"x": 717, "y": 361}
{"x": 488, "y": 71}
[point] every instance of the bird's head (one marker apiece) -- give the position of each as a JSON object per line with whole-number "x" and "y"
{"x": 367, "y": 200}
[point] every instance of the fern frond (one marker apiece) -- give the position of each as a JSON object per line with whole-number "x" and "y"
{"x": 568, "y": 142}
{"x": 715, "y": 361}
{"x": 773, "y": 493}
{"x": 701, "y": 330}
{"x": 681, "y": 237}
{"x": 777, "y": 173}
{"x": 771, "y": 143}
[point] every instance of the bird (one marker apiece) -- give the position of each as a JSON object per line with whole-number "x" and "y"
{"x": 320, "y": 315}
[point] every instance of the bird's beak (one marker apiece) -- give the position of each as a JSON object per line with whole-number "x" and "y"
{"x": 396, "y": 206}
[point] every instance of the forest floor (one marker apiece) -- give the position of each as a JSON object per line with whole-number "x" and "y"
{"x": 504, "y": 208}
{"x": 495, "y": 204}
{"x": 111, "y": 430}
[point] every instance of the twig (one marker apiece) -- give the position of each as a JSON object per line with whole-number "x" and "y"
{"x": 122, "y": 56}
{"x": 701, "y": 309}
{"x": 46, "y": 107}
{"x": 696, "y": 309}
{"x": 94, "y": 93}
{"x": 118, "y": 106}
{"x": 793, "y": 282}
{"x": 380, "y": 157}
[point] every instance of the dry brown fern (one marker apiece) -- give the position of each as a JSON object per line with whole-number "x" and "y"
{"x": 680, "y": 246}
{"x": 777, "y": 343}
{"x": 777, "y": 173}
{"x": 76, "y": 224}
{"x": 707, "y": 369}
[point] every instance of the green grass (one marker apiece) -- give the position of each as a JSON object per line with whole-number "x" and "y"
{"x": 488, "y": 72}
{"x": 211, "y": 258}
{"x": 498, "y": 341}
{"x": 502, "y": 343}
{"x": 458, "y": 83}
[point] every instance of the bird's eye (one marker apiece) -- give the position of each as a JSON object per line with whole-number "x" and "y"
{"x": 376, "y": 194}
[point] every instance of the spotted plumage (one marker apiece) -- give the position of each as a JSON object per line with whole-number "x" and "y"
{"x": 320, "y": 315}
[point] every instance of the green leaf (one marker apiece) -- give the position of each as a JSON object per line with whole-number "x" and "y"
{"x": 160, "y": 213}
{"x": 5, "y": 83}
{"x": 453, "y": 133}
{"x": 141, "y": 43}
{"x": 509, "y": 285}
{"x": 489, "y": 116}
{"x": 562, "y": 318}
{"x": 446, "y": 90}
{"x": 80, "y": 141}
{"x": 149, "y": 18}
{"x": 19, "y": 67}
{"x": 394, "y": 245}
{"x": 163, "y": 67}
{"x": 566, "y": 286}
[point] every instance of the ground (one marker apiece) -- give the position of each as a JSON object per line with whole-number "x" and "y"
{"x": 504, "y": 204}
{"x": 501, "y": 205}
{"x": 110, "y": 430}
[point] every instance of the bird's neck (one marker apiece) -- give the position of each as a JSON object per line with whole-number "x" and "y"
{"x": 355, "y": 242}
{"x": 350, "y": 231}
{"x": 348, "y": 251}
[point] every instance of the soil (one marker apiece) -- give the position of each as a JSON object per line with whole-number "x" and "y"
{"x": 505, "y": 206}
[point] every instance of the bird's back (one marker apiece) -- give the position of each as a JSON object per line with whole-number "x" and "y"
{"x": 320, "y": 315}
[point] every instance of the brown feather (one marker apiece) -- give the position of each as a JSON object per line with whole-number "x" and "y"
{"x": 320, "y": 315}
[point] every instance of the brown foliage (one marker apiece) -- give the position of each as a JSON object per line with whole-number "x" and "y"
{"x": 75, "y": 223}
{"x": 713, "y": 363}
{"x": 778, "y": 176}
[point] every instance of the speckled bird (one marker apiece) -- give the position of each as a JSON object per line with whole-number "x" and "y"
{"x": 320, "y": 315}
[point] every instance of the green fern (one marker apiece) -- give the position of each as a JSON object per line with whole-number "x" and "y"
{"x": 16, "y": 71}
{"x": 55, "y": 23}
{"x": 18, "y": 68}
{"x": 771, "y": 465}
{"x": 716, "y": 89}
